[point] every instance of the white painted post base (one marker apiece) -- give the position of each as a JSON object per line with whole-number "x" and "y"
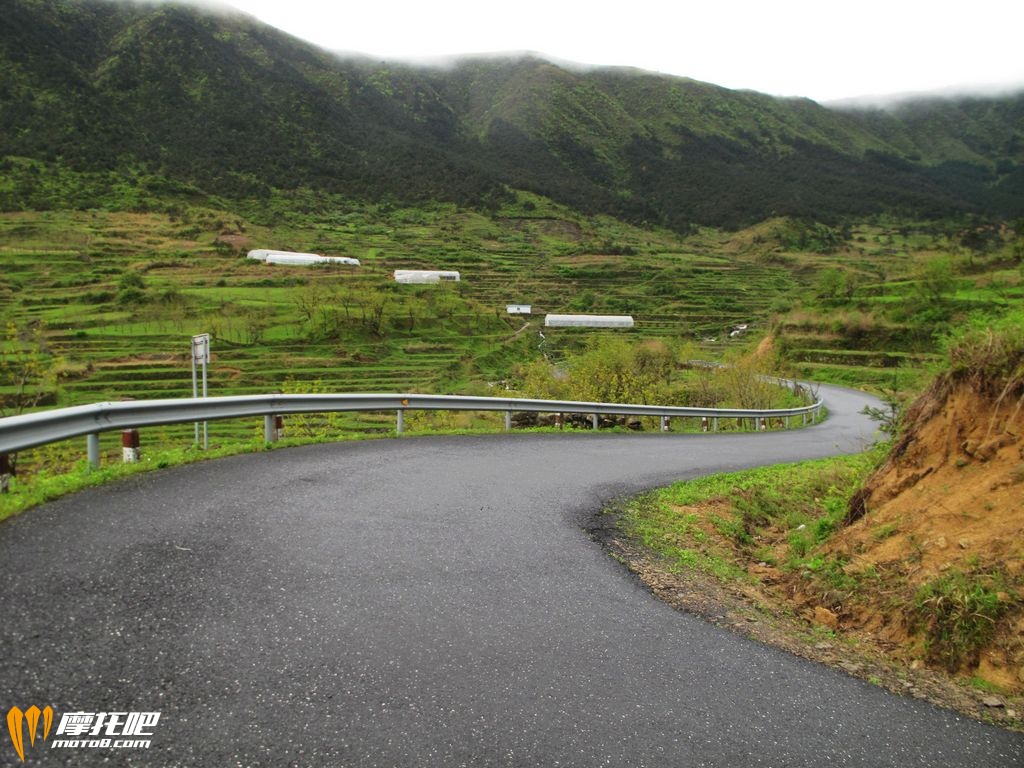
{"x": 130, "y": 450}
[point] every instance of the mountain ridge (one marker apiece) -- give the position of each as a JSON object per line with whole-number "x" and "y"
{"x": 234, "y": 107}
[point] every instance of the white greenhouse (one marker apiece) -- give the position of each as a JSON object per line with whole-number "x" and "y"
{"x": 519, "y": 309}
{"x": 588, "y": 321}
{"x": 299, "y": 259}
{"x": 423, "y": 276}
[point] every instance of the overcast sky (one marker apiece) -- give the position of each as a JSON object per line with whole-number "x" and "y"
{"x": 822, "y": 49}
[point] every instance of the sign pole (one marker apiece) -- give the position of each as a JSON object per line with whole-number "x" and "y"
{"x": 206, "y": 433}
{"x": 201, "y": 354}
{"x": 195, "y": 392}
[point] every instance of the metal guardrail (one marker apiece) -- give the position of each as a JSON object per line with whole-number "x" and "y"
{"x": 35, "y": 429}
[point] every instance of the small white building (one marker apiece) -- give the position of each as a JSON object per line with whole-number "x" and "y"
{"x": 519, "y": 309}
{"x": 299, "y": 259}
{"x": 589, "y": 321}
{"x": 424, "y": 276}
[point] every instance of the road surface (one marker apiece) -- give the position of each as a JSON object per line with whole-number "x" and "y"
{"x": 424, "y": 602}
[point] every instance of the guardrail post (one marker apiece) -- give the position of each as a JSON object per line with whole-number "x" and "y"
{"x": 130, "y": 446}
{"x": 804, "y": 417}
{"x": 92, "y": 449}
{"x": 714, "y": 424}
{"x": 6, "y": 472}
{"x": 269, "y": 428}
{"x": 400, "y": 421}
{"x": 508, "y": 421}
{"x": 787, "y": 422}
{"x": 664, "y": 423}
{"x": 593, "y": 421}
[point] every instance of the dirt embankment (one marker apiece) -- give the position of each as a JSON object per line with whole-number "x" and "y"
{"x": 941, "y": 526}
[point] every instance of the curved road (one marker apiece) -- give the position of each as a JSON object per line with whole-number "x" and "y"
{"x": 425, "y": 602}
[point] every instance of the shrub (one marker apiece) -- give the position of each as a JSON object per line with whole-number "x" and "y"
{"x": 958, "y": 613}
{"x": 988, "y": 352}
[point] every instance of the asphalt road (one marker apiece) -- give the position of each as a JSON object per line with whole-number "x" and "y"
{"x": 424, "y": 602}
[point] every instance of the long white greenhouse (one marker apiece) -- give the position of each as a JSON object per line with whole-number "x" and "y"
{"x": 425, "y": 276}
{"x": 588, "y": 321}
{"x": 299, "y": 259}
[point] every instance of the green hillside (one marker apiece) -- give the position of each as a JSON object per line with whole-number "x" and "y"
{"x": 98, "y": 95}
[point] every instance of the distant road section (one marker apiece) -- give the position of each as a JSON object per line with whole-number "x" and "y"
{"x": 425, "y": 602}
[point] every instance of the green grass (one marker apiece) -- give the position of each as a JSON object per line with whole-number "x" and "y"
{"x": 958, "y": 612}
{"x": 805, "y": 500}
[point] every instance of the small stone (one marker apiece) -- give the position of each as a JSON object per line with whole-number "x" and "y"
{"x": 941, "y": 543}
{"x": 1011, "y": 713}
{"x": 751, "y": 619}
{"x": 915, "y": 664}
{"x": 993, "y": 702}
{"x": 849, "y": 666}
{"x": 824, "y": 646}
{"x": 964, "y": 543}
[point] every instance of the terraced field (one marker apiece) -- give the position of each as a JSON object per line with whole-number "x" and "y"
{"x": 117, "y": 296}
{"x": 882, "y": 329}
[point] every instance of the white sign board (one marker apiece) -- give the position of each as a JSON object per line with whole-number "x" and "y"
{"x": 201, "y": 348}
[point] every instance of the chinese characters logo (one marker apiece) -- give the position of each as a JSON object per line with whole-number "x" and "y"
{"x": 100, "y": 726}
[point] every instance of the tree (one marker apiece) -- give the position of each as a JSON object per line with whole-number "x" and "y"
{"x": 829, "y": 284}
{"x": 936, "y": 278}
{"x": 28, "y": 373}
{"x": 131, "y": 289}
